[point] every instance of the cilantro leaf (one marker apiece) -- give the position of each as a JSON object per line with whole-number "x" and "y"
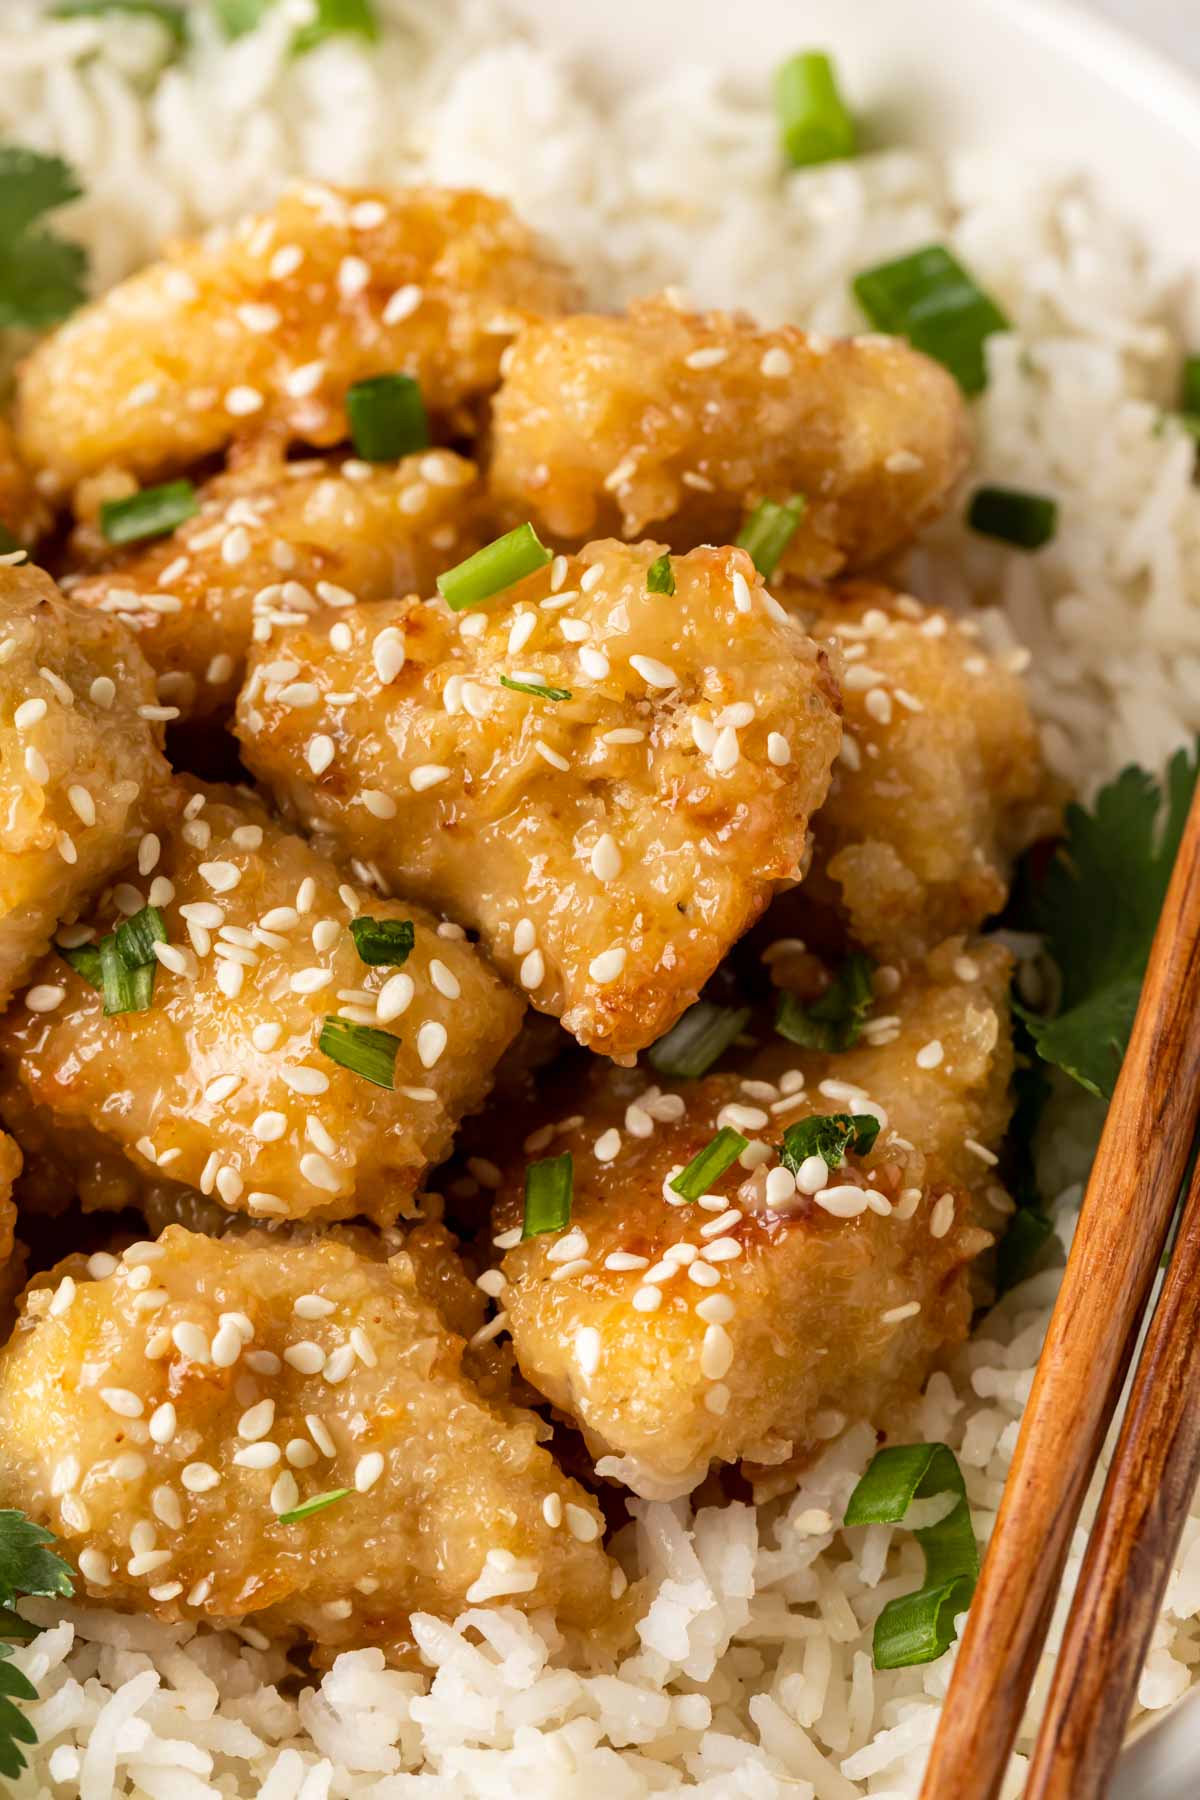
{"x": 829, "y": 1136}
{"x": 835, "y": 1021}
{"x": 1097, "y": 907}
{"x": 27, "y": 1566}
{"x": 41, "y": 276}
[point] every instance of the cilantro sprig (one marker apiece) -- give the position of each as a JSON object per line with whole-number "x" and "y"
{"x": 27, "y": 1566}
{"x": 1097, "y": 906}
{"x": 41, "y": 276}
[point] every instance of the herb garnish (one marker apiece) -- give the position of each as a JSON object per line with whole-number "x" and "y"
{"x": 41, "y": 276}
{"x": 696, "y": 1040}
{"x": 27, "y": 1566}
{"x": 548, "y": 1189}
{"x": 383, "y": 943}
{"x": 834, "y": 1022}
{"x": 829, "y": 1136}
{"x": 710, "y": 1164}
{"x": 363, "y": 1049}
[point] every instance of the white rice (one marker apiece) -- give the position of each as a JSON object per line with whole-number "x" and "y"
{"x": 753, "y": 1674}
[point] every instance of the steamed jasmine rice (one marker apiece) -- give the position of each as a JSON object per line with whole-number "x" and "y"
{"x": 753, "y": 1674}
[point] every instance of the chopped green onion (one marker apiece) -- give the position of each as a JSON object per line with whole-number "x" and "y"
{"x": 535, "y": 688}
{"x": 813, "y": 120}
{"x": 829, "y": 1136}
{"x": 383, "y": 942}
{"x": 136, "y": 938}
{"x": 769, "y": 530}
{"x": 930, "y": 299}
{"x": 695, "y": 1041}
{"x": 496, "y": 567}
{"x": 1189, "y": 386}
{"x": 354, "y": 17}
{"x": 919, "y": 1627}
{"x": 387, "y": 418}
{"x": 1026, "y": 520}
{"x": 125, "y": 989}
{"x": 318, "y": 1503}
{"x": 660, "y": 576}
{"x": 149, "y": 514}
{"x": 710, "y": 1164}
{"x": 363, "y": 1049}
{"x": 171, "y": 17}
{"x": 835, "y": 1021}
{"x": 548, "y": 1186}
{"x": 85, "y": 960}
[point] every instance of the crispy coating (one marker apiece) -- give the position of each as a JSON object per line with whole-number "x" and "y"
{"x": 681, "y": 422}
{"x": 266, "y": 326}
{"x": 806, "y": 1317}
{"x": 219, "y": 1084}
{"x": 23, "y": 512}
{"x": 279, "y": 538}
{"x": 81, "y": 766}
{"x": 160, "y": 1417}
{"x": 940, "y": 780}
{"x": 609, "y": 846}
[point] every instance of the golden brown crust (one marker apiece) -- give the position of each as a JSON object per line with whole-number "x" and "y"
{"x": 631, "y": 818}
{"x": 680, "y": 422}
{"x": 265, "y": 326}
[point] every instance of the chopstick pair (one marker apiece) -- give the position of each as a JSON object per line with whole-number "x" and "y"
{"x": 1131, "y": 1197}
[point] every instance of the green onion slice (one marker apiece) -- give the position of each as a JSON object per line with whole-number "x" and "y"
{"x": 814, "y": 123}
{"x": 536, "y": 689}
{"x": 919, "y": 1627}
{"x": 150, "y": 514}
{"x": 829, "y": 1136}
{"x": 387, "y": 418}
{"x": 696, "y": 1040}
{"x": 1189, "y": 386}
{"x": 171, "y": 17}
{"x": 1015, "y": 517}
{"x": 710, "y": 1164}
{"x": 136, "y": 938}
{"x": 835, "y": 1021}
{"x": 383, "y": 942}
{"x": 85, "y": 960}
{"x": 124, "y": 989}
{"x": 496, "y": 567}
{"x": 363, "y": 1049}
{"x": 930, "y": 299}
{"x": 318, "y": 1503}
{"x": 769, "y": 530}
{"x": 548, "y": 1188}
{"x": 354, "y": 17}
{"x": 660, "y": 576}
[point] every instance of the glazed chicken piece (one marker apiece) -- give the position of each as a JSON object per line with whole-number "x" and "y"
{"x": 753, "y": 1324}
{"x": 681, "y": 422}
{"x": 263, "y": 328}
{"x": 81, "y": 764}
{"x": 220, "y": 1083}
{"x": 939, "y": 783}
{"x": 274, "y": 540}
{"x": 23, "y": 512}
{"x": 609, "y": 843}
{"x": 196, "y": 1383}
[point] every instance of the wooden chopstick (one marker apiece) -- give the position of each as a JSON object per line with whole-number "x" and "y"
{"x": 1127, "y": 1209}
{"x": 1150, "y": 1485}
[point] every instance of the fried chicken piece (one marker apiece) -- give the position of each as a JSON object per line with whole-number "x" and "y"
{"x": 220, "y": 1084}
{"x": 266, "y": 326}
{"x": 609, "y": 844}
{"x": 279, "y": 538}
{"x": 165, "y": 1418}
{"x": 23, "y": 512}
{"x": 940, "y": 781}
{"x": 750, "y": 1326}
{"x": 81, "y": 764}
{"x": 682, "y": 422}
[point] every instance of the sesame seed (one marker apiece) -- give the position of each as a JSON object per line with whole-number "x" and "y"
{"x": 200, "y": 1478}
{"x": 402, "y": 303}
{"x": 427, "y": 775}
{"x": 285, "y": 1493}
{"x": 606, "y": 858}
{"x": 607, "y": 1146}
{"x": 36, "y": 765}
{"x": 313, "y": 1306}
{"x": 122, "y": 1401}
{"x": 648, "y": 1298}
{"x": 191, "y": 1342}
{"x": 581, "y": 1524}
{"x": 552, "y": 756}
{"x": 394, "y": 998}
{"x": 95, "y": 1568}
{"x": 367, "y": 1471}
{"x": 44, "y": 998}
{"x": 608, "y": 965}
{"x": 305, "y": 1357}
{"x": 942, "y": 1216}
{"x": 29, "y": 713}
{"x": 431, "y": 1041}
{"x": 338, "y": 1364}
{"x": 776, "y": 363}
{"x": 241, "y": 401}
{"x": 221, "y": 1087}
{"x": 703, "y": 1275}
{"x": 319, "y": 1173}
{"x": 257, "y": 1456}
{"x": 552, "y": 1511}
{"x": 103, "y": 692}
{"x": 896, "y": 1313}
{"x": 707, "y": 357}
{"x": 319, "y": 754}
{"x": 842, "y": 1201}
{"x": 387, "y": 653}
{"x": 726, "y": 751}
{"x": 221, "y": 877}
{"x": 930, "y": 1055}
{"x": 444, "y": 980}
{"x": 717, "y": 1399}
{"x": 300, "y": 1453}
{"x": 164, "y": 1503}
{"x": 716, "y": 1353}
{"x": 654, "y": 673}
{"x": 228, "y": 1343}
{"x": 715, "y": 1309}
{"x": 303, "y": 1080}
{"x": 779, "y": 751}
{"x": 256, "y": 1421}
{"x": 353, "y": 276}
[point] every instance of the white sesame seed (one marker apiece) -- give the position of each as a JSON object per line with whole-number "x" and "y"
{"x": 285, "y": 1494}
{"x": 581, "y": 1523}
{"x": 44, "y": 998}
{"x": 606, "y": 858}
{"x": 36, "y": 766}
{"x": 394, "y": 998}
{"x": 552, "y": 1511}
{"x": 313, "y": 1306}
{"x": 338, "y": 1364}
{"x": 654, "y": 673}
{"x": 532, "y": 971}
{"x": 942, "y": 1216}
{"x": 444, "y": 980}
{"x": 103, "y": 692}
{"x": 228, "y": 1343}
{"x": 431, "y": 1041}
{"x": 241, "y": 401}
{"x": 300, "y": 1453}
{"x": 319, "y": 1173}
{"x": 716, "y": 1353}
{"x": 367, "y": 1471}
{"x": 930, "y": 1055}
{"x": 896, "y": 1313}
{"x": 353, "y": 276}
{"x": 319, "y": 754}
{"x": 256, "y": 1421}
{"x": 95, "y": 1568}
{"x": 221, "y": 877}
{"x": 303, "y": 1080}
{"x": 715, "y": 1309}
{"x": 717, "y": 1399}
{"x": 779, "y": 751}
{"x": 702, "y": 1274}
{"x": 387, "y": 653}
{"x": 191, "y": 1342}
{"x": 402, "y": 304}
{"x": 122, "y": 1401}
{"x": 843, "y": 1201}
{"x": 776, "y": 363}
{"x": 200, "y": 1478}
{"x": 648, "y": 1298}
{"x": 257, "y": 1456}
{"x": 30, "y": 712}
{"x": 607, "y": 1146}
{"x": 427, "y": 775}
{"x": 305, "y": 1357}
{"x": 608, "y": 965}
{"x": 726, "y": 751}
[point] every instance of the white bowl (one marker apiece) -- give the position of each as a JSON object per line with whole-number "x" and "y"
{"x": 1040, "y": 80}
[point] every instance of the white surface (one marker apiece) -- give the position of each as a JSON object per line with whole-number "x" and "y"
{"x": 1047, "y": 82}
